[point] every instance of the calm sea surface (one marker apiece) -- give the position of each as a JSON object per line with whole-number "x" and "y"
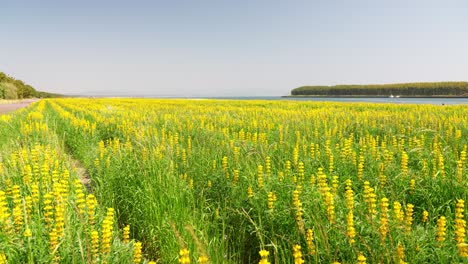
{"x": 436, "y": 101}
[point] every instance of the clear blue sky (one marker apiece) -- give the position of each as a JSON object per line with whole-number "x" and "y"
{"x": 231, "y": 48}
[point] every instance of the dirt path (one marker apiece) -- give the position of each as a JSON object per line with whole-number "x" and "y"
{"x": 83, "y": 174}
{"x": 7, "y": 108}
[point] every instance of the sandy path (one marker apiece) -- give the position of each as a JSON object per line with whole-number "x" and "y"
{"x": 6, "y": 108}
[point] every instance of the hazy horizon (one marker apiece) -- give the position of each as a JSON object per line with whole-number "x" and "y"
{"x": 225, "y": 48}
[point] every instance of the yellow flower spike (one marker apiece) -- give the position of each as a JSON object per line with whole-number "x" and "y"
{"x": 236, "y": 176}
{"x": 384, "y": 222}
{"x": 349, "y": 195}
{"x": 80, "y": 196}
{"x": 401, "y": 253}
{"x": 412, "y": 186}
{"x": 29, "y": 205}
{"x": 441, "y": 229}
{"x": 271, "y": 200}
{"x": 16, "y": 195}
{"x": 370, "y": 198}
{"x": 203, "y": 259}
{"x": 91, "y": 204}
{"x": 213, "y": 165}
{"x": 95, "y": 245}
{"x": 335, "y": 183}
{"x": 137, "y": 253}
{"x": 360, "y": 167}
{"x": 441, "y": 165}
{"x": 60, "y": 218}
{"x": 330, "y": 206}
{"x": 250, "y": 193}
{"x": 425, "y": 216}
{"x": 299, "y": 211}
{"x": 295, "y": 156}
{"x": 18, "y": 217}
{"x": 409, "y": 217}
{"x": 288, "y": 166}
{"x": 310, "y": 241}
{"x": 184, "y": 256}
{"x": 322, "y": 182}
{"x": 361, "y": 259}
{"x": 260, "y": 176}
{"x": 264, "y": 257}
{"x": 27, "y": 232}
{"x": 297, "y": 254}
{"x": 398, "y": 212}
{"x": 300, "y": 172}
{"x": 126, "y": 234}
{"x": 404, "y": 163}
{"x": 331, "y": 166}
{"x": 225, "y": 166}
{"x": 462, "y": 250}
{"x": 3, "y": 258}
{"x": 53, "y": 244}
{"x": 460, "y": 228}
{"x": 350, "y": 230}
{"x": 268, "y": 166}
{"x": 191, "y": 183}
{"x": 107, "y": 228}
{"x": 48, "y": 209}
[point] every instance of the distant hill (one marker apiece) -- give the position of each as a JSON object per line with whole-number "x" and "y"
{"x": 11, "y": 88}
{"x": 429, "y": 89}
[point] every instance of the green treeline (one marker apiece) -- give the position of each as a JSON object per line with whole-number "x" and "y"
{"x": 404, "y": 89}
{"x": 11, "y": 88}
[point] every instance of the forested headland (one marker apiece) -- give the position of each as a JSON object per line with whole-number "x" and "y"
{"x": 422, "y": 89}
{"x": 12, "y": 88}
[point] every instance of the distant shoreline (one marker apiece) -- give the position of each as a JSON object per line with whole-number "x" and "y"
{"x": 391, "y": 90}
{"x": 375, "y": 96}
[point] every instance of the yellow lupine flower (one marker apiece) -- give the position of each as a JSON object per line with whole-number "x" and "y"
{"x": 107, "y": 227}
{"x": 361, "y": 259}
{"x": 264, "y": 257}
{"x": 126, "y": 234}
{"x": 310, "y": 241}
{"x": 184, "y": 256}
{"x": 297, "y": 254}
{"x": 409, "y": 217}
{"x": 425, "y": 216}
{"x": 27, "y": 232}
{"x": 94, "y": 245}
{"x": 137, "y": 253}
{"x": 384, "y": 228}
{"x": 203, "y": 259}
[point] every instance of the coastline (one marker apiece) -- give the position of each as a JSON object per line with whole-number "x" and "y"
{"x": 374, "y": 96}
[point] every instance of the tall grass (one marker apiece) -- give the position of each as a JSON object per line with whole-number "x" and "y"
{"x": 46, "y": 214}
{"x": 180, "y": 173}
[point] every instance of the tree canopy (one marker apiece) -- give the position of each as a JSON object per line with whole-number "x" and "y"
{"x": 404, "y": 89}
{"x": 11, "y": 88}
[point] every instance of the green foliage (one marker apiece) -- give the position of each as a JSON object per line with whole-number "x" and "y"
{"x": 9, "y": 91}
{"x": 168, "y": 168}
{"x": 11, "y": 88}
{"x": 46, "y": 214}
{"x": 405, "y": 89}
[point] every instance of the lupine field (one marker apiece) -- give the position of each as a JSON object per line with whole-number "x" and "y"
{"x": 219, "y": 181}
